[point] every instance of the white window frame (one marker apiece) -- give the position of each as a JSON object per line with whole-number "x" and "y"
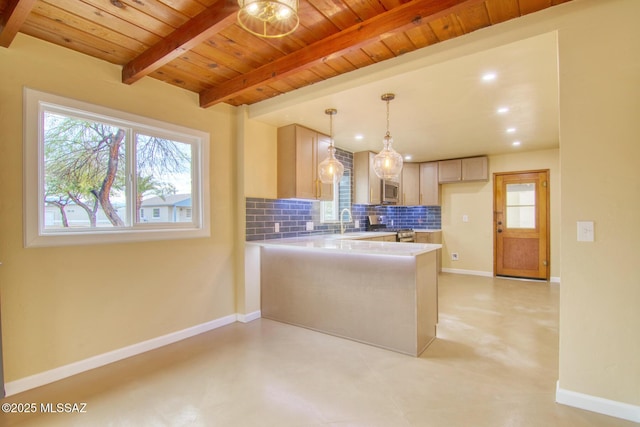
{"x": 35, "y": 235}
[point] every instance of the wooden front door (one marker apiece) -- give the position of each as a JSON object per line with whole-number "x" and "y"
{"x": 521, "y": 224}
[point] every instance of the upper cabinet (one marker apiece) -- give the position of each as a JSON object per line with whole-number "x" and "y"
{"x": 367, "y": 184}
{"x": 300, "y": 150}
{"x": 429, "y": 185}
{"x": 410, "y": 190}
{"x": 418, "y": 183}
{"x": 463, "y": 170}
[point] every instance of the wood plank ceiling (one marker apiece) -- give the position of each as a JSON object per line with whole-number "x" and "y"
{"x": 197, "y": 44}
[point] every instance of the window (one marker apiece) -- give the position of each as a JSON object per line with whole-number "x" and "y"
{"x": 91, "y": 172}
{"x": 330, "y": 210}
{"x": 521, "y": 205}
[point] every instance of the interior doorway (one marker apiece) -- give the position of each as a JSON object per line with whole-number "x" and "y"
{"x": 521, "y": 224}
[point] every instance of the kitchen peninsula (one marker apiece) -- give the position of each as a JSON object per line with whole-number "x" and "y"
{"x": 380, "y": 293}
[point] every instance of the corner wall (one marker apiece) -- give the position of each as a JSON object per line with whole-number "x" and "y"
{"x": 61, "y": 305}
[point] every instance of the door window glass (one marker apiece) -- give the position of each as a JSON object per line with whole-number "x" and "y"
{"x": 521, "y": 205}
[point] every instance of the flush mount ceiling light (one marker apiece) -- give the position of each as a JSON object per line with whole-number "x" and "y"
{"x": 330, "y": 170}
{"x": 268, "y": 18}
{"x": 387, "y": 163}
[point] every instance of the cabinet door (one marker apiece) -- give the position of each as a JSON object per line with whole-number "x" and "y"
{"x": 324, "y": 191}
{"x": 449, "y": 170}
{"x": 422, "y": 237}
{"x": 429, "y": 185}
{"x": 475, "y": 169}
{"x": 375, "y": 183}
{"x": 306, "y": 161}
{"x": 410, "y": 184}
{"x": 367, "y": 183}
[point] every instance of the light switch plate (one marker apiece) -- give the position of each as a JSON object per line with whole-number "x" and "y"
{"x": 585, "y": 231}
{"x": 310, "y": 226}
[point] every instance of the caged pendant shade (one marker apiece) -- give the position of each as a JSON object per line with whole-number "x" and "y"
{"x": 268, "y": 18}
{"x": 330, "y": 170}
{"x": 387, "y": 164}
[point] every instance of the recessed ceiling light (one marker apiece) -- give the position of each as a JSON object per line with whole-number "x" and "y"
{"x": 511, "y": 130}
{"x": 503, "y": 110}
{"x": 515, "y": 143}
{"x": 359, "y": 137}
{"x": 487, "y": 77}
{"x": 407, "y": 157}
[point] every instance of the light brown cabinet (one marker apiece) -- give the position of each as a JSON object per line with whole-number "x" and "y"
{"x": 432, "y": 237}
{"x": 390, "y": 238}
{"x": 429, "y": 185}
{"x": 410, "y": 184}
{"x": 300, "y": 150}
{"x": 475, "y": 169}
{"x": 463, "y": 170}
{"x": 367, "y": 184}
{"x": 419, "y": 186}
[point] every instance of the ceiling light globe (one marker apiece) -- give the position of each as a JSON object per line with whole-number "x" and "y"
{"x": 387, "y": 164}
{"x": 330, "y": 170}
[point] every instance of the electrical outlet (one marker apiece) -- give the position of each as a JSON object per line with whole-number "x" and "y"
{"x": 310, "y": 226}
{"x": 356, "y": 224}
{"x": 454, "y": 256}
{"x": 276, "y": 227}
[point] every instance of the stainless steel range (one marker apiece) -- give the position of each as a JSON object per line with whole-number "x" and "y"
{"x": 405, "y": 235}
{"x": 376, "y": 223}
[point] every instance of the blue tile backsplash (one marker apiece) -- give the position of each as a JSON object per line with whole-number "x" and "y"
{"x": 293, "y": 215}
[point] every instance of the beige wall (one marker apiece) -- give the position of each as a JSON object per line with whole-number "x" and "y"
{"x": 261, "y": 149}
{"x": 600, "y": 167}
{"x": 473, "y": 240}
{"x": 65, "y": 304}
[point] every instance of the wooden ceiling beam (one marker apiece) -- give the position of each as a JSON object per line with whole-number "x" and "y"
{"x": 401, "y": 18}
{"x": 12, "y": 18}
{"x": 189, "y": 35}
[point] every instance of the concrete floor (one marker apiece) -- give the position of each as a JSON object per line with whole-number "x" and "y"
{"x": 494, "y": 363}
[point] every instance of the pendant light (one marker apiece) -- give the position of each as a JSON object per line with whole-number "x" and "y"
{"x": 330, "y": 170}
{"x": 268, "y": 18}
{"x": 387, "y": 163}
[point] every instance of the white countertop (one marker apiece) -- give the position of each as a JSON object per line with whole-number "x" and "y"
{"x": 349, "y": 242}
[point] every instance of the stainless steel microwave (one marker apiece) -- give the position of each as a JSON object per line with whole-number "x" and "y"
{"x": 390, "y": 192}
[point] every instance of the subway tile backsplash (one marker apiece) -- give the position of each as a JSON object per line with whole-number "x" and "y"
{"x": 293, "y": 215}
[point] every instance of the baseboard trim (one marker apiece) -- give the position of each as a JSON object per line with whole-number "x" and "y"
{"x": 249, "y": 317}
{"x": 600, "y": 405}
{"x": 552, "y": 279}
{"x": 46, "y": 377}
{"x": 468, "y": 272}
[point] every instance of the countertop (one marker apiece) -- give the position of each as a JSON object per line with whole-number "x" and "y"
{"x": 350, "y": 242}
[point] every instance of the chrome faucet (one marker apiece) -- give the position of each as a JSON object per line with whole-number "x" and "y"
{"x": 342, "y": 227}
